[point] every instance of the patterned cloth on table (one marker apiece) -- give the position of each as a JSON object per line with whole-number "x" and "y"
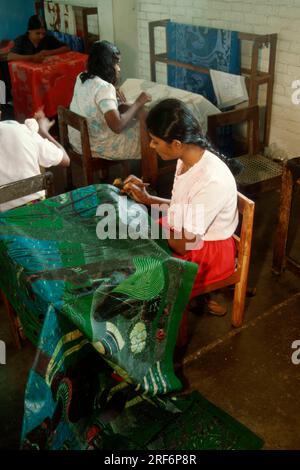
{"x": 45, "y": 85}
{"x": 126, "y": 296}
{"x": 212, "y": 48}
{"x": 77, "y": 296}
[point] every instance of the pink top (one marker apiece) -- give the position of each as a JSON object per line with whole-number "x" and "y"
{"x": 204, "y": 199}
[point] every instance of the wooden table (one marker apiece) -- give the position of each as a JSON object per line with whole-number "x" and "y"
{"x": 200, "y": 106}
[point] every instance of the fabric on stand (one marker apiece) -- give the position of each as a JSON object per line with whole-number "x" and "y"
{"x": 60, "y": 17}
{"x": 213, "y": 48}
{"x": 75, "y": 43}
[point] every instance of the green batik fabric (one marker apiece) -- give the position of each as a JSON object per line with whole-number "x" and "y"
{"x": 73, "y": 402}
{"x": 77, "y": 296}
{"x": 126, "y": 296}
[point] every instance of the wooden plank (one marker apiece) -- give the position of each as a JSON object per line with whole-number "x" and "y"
{"x": 25, "y": 187}
{"x": 196, "y": 68}
{"x": 283, "y": 221}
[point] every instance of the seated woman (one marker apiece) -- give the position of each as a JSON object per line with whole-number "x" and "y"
{"x": 202, "y": 215}
{"x": 35, "y": 45}
{"x": 114, "y": 133}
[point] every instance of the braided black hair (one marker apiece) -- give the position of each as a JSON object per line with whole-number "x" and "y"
{"x": 171, "y": 119}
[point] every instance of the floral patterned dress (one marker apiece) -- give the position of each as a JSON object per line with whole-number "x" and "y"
{"x": 92, "y": 99}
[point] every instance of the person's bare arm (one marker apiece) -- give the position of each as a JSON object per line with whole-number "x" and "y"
{"x": 123, "y": 107}
{"x": 179, "y": 242}
{"x": 44, "y": 127}
{"x": 59, "y": 50}
{"x": 31, "y": 58}
{"x": 117, "y": 121}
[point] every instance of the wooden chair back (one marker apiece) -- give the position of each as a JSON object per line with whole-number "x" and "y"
{"x": 9, "y": 192}
{"x": 25, "y": 187}
{"x": 88, "y": 163}
{"x": 240, "y": 276}
{"x": 260, "y": 174}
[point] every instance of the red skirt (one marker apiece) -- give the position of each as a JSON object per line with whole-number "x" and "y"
{"x": 215, "y": 259}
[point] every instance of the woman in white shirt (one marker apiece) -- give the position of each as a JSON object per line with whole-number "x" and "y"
{"x": 202, "y": 214}
{"x": 24, "y": 148}
{"x": 114, "y": 133}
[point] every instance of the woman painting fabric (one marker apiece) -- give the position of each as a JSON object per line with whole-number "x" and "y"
{"x": 114, "y": 133}
{"x": 35, "y": 45}
{"x": 202, "y": 214}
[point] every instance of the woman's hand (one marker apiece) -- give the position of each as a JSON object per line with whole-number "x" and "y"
{"x": 138, "y": 193}
{"x": 134, "y": 180}
{"x": 43, "y": 122}
{"x": 39, "y": 57}
{"x": 143, "y": 98}
{"x": 120, "y": 95}
{"x": 136, "y": 188}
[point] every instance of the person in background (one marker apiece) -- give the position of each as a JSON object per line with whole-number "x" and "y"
{"x": 113, "y": 130}
{"x": 23, "y": 149}
{"x": 202, "y": 215}
{"x": 35, "y": 45}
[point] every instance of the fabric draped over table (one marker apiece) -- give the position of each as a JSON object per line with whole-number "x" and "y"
{"x": 212, "y": 48}
{"x": 45, "y": 85}
{"x": 78, "y": 295}
{"x": 125, "y": 296}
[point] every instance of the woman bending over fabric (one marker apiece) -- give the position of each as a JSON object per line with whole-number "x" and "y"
{"x": 114, "y": 133}
{"x": 202, "y": 215}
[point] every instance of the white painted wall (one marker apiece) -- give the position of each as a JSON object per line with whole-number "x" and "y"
{"x": 93, "y": 24}
{"x": 255, "y": 16}
{"x": 125, "y": 29}
{"x": 117, "y": 22}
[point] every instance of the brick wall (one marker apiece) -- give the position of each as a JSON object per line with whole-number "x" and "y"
{"x": 253, "y": 16}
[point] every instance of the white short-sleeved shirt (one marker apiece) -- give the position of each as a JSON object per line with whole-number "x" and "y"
{"x": 204, "y": 199}
{"x": 92, "y": 99}
{"x": 22, "y": 152}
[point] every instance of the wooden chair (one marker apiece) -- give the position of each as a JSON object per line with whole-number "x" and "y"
{"x": 240, "y": 276}
{"x": 88, "y": 163}
{"x": 9, "y": 192}
{"x": 290, "y": 179}
{"x": 260, "y": 174}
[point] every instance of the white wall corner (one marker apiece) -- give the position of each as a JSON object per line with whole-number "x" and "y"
{"x": 106, "y": 20}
